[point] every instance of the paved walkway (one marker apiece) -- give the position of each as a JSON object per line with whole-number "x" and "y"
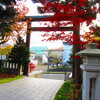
{"x": 55, "y": 76}
{"x": 30, "y": 89}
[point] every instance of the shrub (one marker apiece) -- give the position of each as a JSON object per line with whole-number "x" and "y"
{"x": 19, "y": 54}
{"x": 7, "y": 75}
{"x": 68, "y": 91}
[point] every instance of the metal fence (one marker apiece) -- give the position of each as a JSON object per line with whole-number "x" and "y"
{"x": 60, "y": 70}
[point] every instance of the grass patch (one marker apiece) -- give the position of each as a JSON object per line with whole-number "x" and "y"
{"x": 63, "y": 91}
{"x": 68, "y": 91}
{"x": 56, "y": 72}
{"x": 6, "y": 80}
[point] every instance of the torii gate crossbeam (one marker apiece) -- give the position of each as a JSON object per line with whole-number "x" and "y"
{"x": 31, "y": 19}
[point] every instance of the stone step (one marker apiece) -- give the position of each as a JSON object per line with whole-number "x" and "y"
{"x": 35, "y": 74}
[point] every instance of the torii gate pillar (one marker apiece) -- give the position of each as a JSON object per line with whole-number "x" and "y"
{"x": 28, "y": 35}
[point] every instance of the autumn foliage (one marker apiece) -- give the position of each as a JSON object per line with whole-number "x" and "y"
{"x": 7, "y": 76}
{"x": 17, "y": 27}
{"x": 68, "y": 14}
{"x": 5, "y": 50}
{"x": 93, "y": 36}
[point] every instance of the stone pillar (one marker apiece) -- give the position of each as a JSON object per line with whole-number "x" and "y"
{"x": 91, "y": 72}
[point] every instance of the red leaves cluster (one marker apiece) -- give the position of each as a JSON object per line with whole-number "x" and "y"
{"x": 68, "y": 14}
{"x": 70, "y": 38}
{"x": 7, "y": 75}
{"x": 78, "y": 57}
{"x": 31, "y": 67}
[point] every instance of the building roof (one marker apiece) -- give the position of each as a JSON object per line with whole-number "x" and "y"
{"x": 38, "y": 50}
{"x": 32, "y": 53}
{"x": 5, "y": 44}
{"x": 40, "y": 1}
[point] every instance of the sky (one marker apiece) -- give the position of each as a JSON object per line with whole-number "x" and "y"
{"x": 36, "y": 38}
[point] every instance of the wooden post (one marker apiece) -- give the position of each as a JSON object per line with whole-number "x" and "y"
{"x": 28, "y": 35}
{"x": 65, "y": 75}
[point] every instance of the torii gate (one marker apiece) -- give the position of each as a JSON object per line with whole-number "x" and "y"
{"x": 47, "y": 18}
{"x": 31, "y": 19}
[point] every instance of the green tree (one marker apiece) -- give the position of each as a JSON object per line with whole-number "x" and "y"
{"x": 7, "y": 15}
{"x": 11, "y": 12}
{"x": 56, "y": 58}
{"x": 20, "y": 54}
{"x": 5, "y": 50}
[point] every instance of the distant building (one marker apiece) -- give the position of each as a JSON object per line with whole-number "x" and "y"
{"x": 32, "y": 58}
{"x": 4, "y": 57}
{"x": 67, "y": 51}
{"x": 32, "y": 55}
{"x": 58, "y": 52}
{"x": 40, "y": 53}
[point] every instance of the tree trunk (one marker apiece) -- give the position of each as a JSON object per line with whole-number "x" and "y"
{"x": 28, "y": 35}
{"x": 25, "y": 67}
{"x": 73, "y": 68}
{"x": 76, "y": 47}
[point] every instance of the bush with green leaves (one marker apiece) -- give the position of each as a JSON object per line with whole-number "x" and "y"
{"x": 68, "y": 91}
{"x": 8, "y": 14}
{"x": 19, "y": 53}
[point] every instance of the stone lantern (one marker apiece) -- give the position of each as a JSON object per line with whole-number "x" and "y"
{"x": 91, "y": 72}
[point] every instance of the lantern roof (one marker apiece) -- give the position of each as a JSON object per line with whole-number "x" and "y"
{"x": 90, "y": 51}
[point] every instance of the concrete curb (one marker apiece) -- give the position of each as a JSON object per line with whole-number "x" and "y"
{"x": 53, "y": 96}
